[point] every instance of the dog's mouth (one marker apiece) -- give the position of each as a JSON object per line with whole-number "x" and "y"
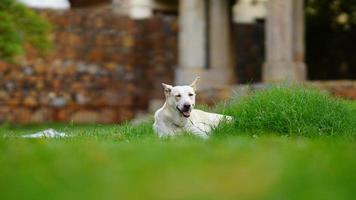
{"x": 185, "y": 113}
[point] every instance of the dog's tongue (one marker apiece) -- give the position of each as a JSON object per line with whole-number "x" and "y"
{"x": 186, "y": 114}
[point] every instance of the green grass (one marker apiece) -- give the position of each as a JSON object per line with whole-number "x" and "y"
{"x": 130, "y": 162}
{"x": 295, "y": 111}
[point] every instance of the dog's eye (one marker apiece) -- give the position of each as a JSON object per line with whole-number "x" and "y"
{"x": 190, "y": 94}
{"x": 178, "y": 95}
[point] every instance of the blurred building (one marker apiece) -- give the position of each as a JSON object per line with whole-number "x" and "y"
{"x": 206, "y": 42}
{"x": 111, "y": 56}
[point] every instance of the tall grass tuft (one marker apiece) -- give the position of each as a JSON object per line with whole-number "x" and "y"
{"x": 294, "y": 110}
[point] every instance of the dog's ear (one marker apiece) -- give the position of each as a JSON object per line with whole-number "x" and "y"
{"x": 195, "y": 83}
{"x": 167, "y": 89}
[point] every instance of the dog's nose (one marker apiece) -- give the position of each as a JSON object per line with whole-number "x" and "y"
{"x": 187, "y": 106}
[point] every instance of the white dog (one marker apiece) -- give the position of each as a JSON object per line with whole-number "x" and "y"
{"x": 178, "y": 115}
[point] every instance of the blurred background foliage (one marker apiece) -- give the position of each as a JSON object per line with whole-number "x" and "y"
{"x": 331, "y": 39}
{"x": 21, "y": 27}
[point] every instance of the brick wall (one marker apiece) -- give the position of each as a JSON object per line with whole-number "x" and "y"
{"x": 101, "y": 69}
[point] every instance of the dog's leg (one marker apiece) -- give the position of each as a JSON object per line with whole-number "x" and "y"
{"x": 200, "y": 134}
{"x": 199, "y": 131}
{"x": 162, "y": 129}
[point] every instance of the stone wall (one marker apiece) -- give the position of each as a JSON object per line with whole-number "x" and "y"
{"x": 101, "y": 69}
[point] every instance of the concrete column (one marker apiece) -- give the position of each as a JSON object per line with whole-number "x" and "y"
{"x": 204, "y": 43}
{"x": 284, "y": 41}
{"x": 136, "y": 9}
{"x": 220, "y": 41}
{"x": 141, "y": 9}
{"x": 192, "y": 40}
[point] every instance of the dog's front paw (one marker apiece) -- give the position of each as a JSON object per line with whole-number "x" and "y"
{"x": 201, "y": 135}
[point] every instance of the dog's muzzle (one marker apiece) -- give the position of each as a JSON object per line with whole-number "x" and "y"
{"x": 185, "y": 111}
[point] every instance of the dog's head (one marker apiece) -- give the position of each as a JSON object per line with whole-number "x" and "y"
{"x": 181, "y": 98}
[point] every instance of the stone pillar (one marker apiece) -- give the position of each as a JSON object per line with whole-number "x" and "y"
{"x": 192, "y": 40}
{"x": 220, "y": 41}
{"x": 284, "y": 41}
{"x": 141, "y": 9}
{"x": 136, "y": 9}
{"x": 204, "y": 48}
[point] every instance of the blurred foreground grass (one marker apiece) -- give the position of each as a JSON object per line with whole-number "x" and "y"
{"x": 130, "y": 162}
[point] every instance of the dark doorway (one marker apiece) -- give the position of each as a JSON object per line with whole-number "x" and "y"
{"x": 331, "y": 39}
{"x": 249, "y": 51}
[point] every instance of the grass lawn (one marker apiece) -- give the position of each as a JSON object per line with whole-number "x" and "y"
{"x": 130, "y": 162}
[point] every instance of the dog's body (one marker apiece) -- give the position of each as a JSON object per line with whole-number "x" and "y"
{"x": 178, "y": 115}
